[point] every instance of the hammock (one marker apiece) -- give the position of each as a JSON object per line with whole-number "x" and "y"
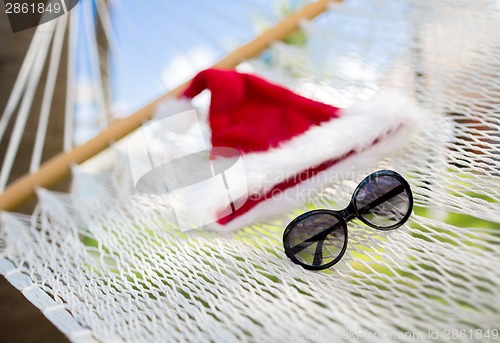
{"x": 104, "y": 264}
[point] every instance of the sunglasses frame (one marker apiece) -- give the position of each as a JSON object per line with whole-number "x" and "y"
{"x": 345, "y": 216}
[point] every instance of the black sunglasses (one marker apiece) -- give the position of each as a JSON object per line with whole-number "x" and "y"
{"x": 318, "y": 239}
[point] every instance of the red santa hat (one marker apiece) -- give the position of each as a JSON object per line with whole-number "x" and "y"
{"x": 291, "y": 147}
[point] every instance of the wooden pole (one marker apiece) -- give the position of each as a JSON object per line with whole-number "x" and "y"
{"x": 56, "y": 168}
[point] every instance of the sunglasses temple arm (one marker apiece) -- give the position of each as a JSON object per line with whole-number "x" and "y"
{"x": 389, "y": 195}
{"x": 318, "y": 254}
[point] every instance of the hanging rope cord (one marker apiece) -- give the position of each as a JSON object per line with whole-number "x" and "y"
{"x": 39, "y": 56}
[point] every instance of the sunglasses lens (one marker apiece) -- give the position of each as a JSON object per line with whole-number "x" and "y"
{"x": 317, "y": 240}
{"x": 383, "y": 201}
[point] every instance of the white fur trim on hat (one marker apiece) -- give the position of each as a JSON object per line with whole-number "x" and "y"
{"x": 364, "y": 134}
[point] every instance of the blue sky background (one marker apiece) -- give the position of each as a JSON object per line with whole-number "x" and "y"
{"x": 157, "y": 46}
{"x": 160, "y": 45}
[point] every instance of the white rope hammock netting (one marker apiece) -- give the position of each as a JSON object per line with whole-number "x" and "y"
{"x": 105, "y": 264}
